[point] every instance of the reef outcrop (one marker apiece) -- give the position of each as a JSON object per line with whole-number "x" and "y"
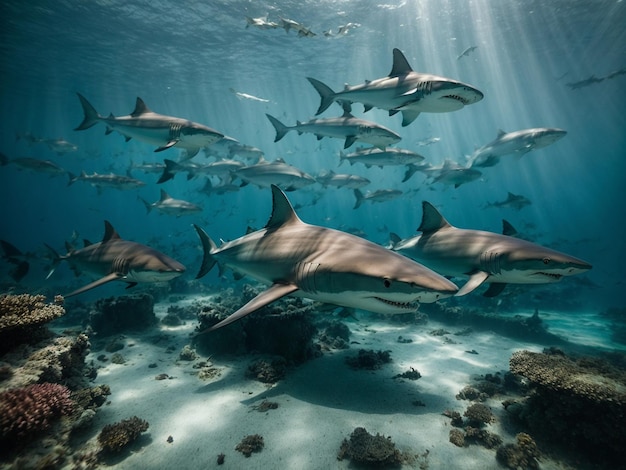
{"x": 577, "y": 402}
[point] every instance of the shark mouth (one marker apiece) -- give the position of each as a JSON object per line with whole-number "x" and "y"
{"x": 556, "y": 277}
{"x": 412, "y": 306}
{"x": 459, "y": 98}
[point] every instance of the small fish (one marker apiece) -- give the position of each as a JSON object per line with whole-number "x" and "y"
{"x": 467, "y": 52}
{"x": 246, "y": 96}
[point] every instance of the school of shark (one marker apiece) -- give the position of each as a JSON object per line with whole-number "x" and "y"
{"x": 293, "y": 257}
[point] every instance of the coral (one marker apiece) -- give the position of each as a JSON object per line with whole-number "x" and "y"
{"x": 187, "y": 354}
{"x": 117, "y": 358}
{"x": 367, "y": 449}
{"x": 26, "y": 411}
{"x": 171, "y": 319}
{"x": 114, "y": 437}
{"x": 481, "y": 436}
{"x": 369, "y": 359}
{"x": 411, "y": 374}
{"x": 250, "y": 444}
{"x": 267, "y": 371}
{"x": 470, "y": 393}
{"x": 455, "y": 416}
{"x": 117, "y": 314}
{"x": 578, "y": 403}
{"x": 91, "y": 398}
{"x": 478, "y": 414}
{"x": 25, "y": 311}
{"x": 265, "y": 405}
{"x": 335, "y": 335}
{"x": 522, "y": 455}
{"x": 457, "y": 437}
{"x": 23, "y": 315}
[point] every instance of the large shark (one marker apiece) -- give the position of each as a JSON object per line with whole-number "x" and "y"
{"x": 485, "y": 256}
{"x": 515, "y": 143}
{"x": 114, "y": 259}
{"x": 152, "y": 128}
{"x": 403, "y": 90}
{"x": 322, "y": 264}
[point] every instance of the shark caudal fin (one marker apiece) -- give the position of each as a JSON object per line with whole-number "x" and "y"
{"x": 281, "y": 129}
{"x": 327, "y": 95}
{"x": 359, "y": 198}
{"x": 171, "y": 167}
{"x": 208, "y": 248}
{"x": 91, "y": 115}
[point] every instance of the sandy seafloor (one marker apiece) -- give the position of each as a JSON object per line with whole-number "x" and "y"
{"x": 320, "y": 401}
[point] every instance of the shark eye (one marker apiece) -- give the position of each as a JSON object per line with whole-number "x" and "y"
{"x": 546, "y": 261}
{"x": 387, "y": 283}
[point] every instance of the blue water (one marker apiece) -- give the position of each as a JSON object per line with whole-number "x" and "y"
{"x": 183, "y": 57}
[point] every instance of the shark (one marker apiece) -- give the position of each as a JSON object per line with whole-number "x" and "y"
{"x": 101, "y": 181}
{"x": 345, "y": 127}
{"x": 279, "y": 172}
{"x": 381, "y": 157}
{"x": 169, "y": 206}
{"x": 403, "y": 91}
{"x": 514, "y": 201}
{"x": 115, "y": 259}
{"x": 323, "y": 264}
{"x": 485, "y": 256}
{"x": 380, "y": 195}
{"x": 341, "y": 180}
{"x": 147, "y": 126}
{"x": 515, "y": 143}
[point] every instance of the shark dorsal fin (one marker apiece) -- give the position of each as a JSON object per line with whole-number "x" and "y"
{"x": 164, "y": 195}
{"x": 109, "y": 232}
{"x": 508, "y": 229}
{"x": 282, "y": 211}
{"x": 432, "y": 220}
{"x": 86, "y": 243}
{"x": 500, "y": 133}
{"x": 400, "y": 64}
{"x": 140, "y": 108}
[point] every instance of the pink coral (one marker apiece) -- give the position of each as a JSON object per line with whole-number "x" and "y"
{"x": 28, "y": 410}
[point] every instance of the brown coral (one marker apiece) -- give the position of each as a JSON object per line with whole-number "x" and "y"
{"x": 25, "y": 310}
{"x": 370, "y": 450}
{"x": 114, "y": 437}
{"x": 26, "y": 411}
{"x": 249, "y": 444}
{"x": 522, "y": 455}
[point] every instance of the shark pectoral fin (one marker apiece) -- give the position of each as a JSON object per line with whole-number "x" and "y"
{"x": 275, "y": 292}
{"x": 495, "y": 288}
{"x": 408, "y": 116}
{"x": 131, "y": 285}
{"x": 170, "y": 144}
{"x": 474, "y": 281}
{"x": 99, "y": 282}
{"x": 349, "y": 141}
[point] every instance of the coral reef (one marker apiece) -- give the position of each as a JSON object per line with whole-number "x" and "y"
{"x": 282, "y": 328}
{"x": 115, "y": 437}
{"x": 457, "y": 437}
{"x": 27, "y": 411}
{"x": 22, "y": 316}
{"x": 369, "y": 359}
{"x": 364, "y": 448}
{"x": 580, "y": 403}
{"x": 118, "y": 314}
{"x": 522, "y": 455}
{"x": 250, "y": 444}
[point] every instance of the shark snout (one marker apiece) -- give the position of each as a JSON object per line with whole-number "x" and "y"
{"x": 438, "y": 288}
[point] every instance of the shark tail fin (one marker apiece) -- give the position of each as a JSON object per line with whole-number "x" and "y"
{"x": 208, "y": 248}
{"x": 146, "y": 203}
{"x": 327, "y": 95}
{"x": 281, "y": 129}
{"x": 56, "y": 260}
{"x": 91, "y": 115}
{"x": 168, "y": 172}
{"x": 359, "y": 199}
